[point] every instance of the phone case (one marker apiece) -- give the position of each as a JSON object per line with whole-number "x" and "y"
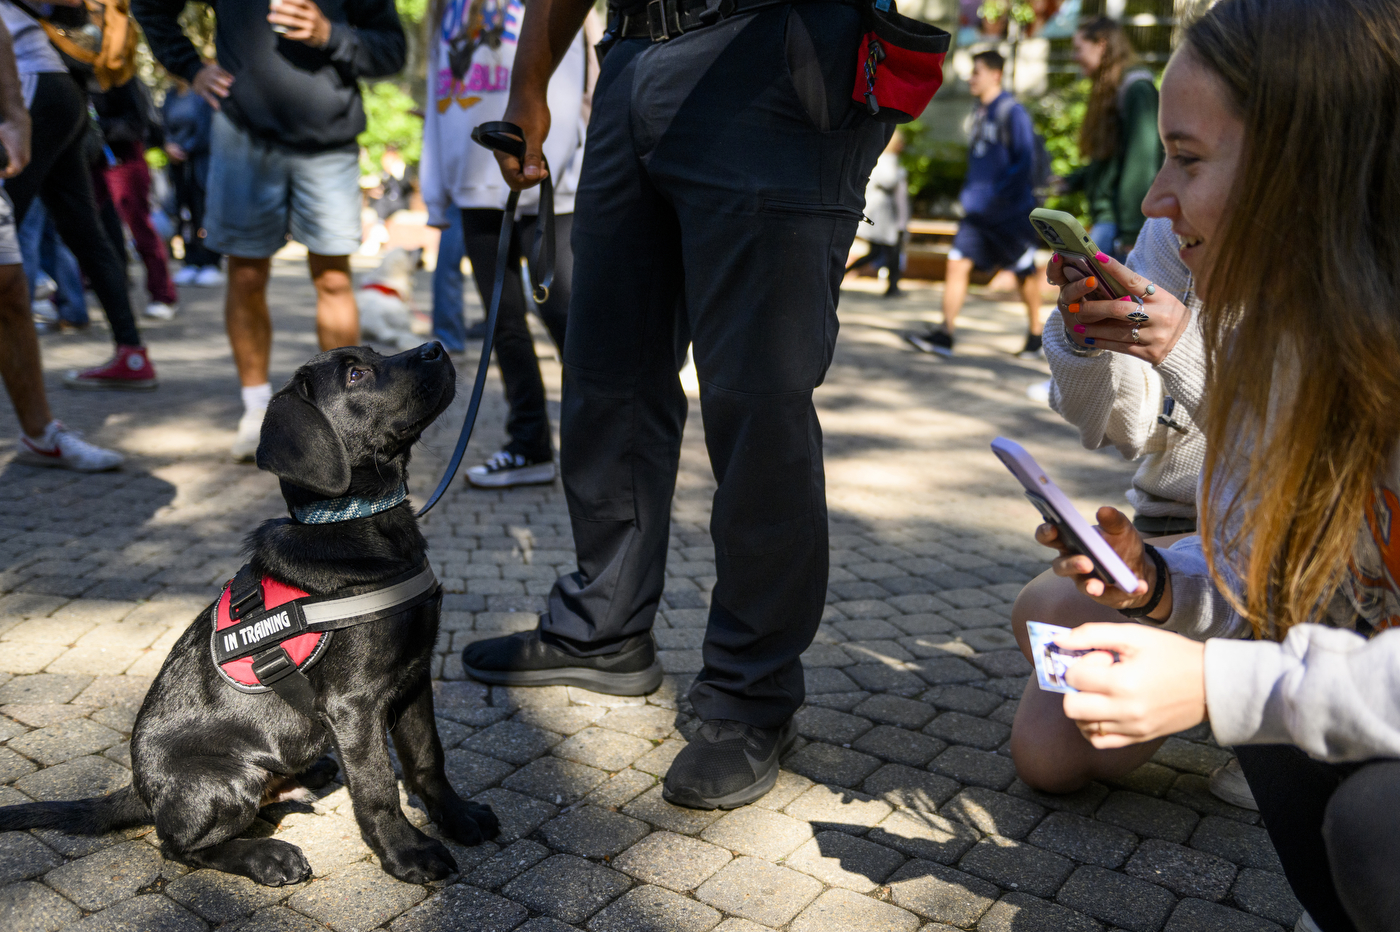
{"x": 1056, "y": 508}
{"x": 1062, "y": 233}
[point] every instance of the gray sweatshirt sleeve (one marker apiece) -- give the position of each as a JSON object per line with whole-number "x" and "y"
{"x": 1199, "y": 611}
{"x": 1328, "y": 691}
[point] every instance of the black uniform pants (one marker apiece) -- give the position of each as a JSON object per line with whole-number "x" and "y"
{"x": 724, "y": 177}
{"x": 1336, "y": 828}
{"x": 527, "y": 424}
{"x": 57, "y": 173}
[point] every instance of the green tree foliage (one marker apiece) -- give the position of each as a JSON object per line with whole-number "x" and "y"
{"x": 389, "y": 105}
{"x": 1057, "y": 116}
{"x": 390, "y": 122}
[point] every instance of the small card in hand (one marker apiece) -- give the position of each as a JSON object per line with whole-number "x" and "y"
{"x": 1052, "y": 661}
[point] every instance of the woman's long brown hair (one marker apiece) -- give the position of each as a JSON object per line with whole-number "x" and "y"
{"x": 1098, "y": 135}
{"x": 1302, "y": 299}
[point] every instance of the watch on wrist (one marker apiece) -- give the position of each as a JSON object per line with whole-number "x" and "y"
{"x": 1151, "y": 605}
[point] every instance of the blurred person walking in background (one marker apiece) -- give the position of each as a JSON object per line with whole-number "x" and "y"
{"x": 43, "y": 440}
{"x": 284, "y": 161}
{"x": 58, "y": 174}
{"x": 130, "y": 126}
{"x": 189, "y": 122}
{"x": 887, "y": 206}
{"x": 1118, "y": 137}
{"x": 997, "y": 198}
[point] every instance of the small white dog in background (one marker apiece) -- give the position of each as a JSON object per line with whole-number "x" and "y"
{"x": 385, "y": 299}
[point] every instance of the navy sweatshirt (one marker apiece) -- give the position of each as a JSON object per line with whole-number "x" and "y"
{"x": 287, "y": 92}
{"x": 998, "y": 189}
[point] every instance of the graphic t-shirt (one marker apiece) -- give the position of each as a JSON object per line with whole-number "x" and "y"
{"x": 480, "y": 37}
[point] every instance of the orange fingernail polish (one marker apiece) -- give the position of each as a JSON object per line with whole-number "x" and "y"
{"x": 1091, "y": 282}
{"x": 1074, "y": 308}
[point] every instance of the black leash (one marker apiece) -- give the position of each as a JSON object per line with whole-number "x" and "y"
{"x": 510, "y": 139}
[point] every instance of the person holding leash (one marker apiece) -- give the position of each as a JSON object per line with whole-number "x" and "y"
{"x": 726, "y": 169}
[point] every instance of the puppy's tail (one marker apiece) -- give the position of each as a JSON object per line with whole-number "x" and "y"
{"x": 95, "y": 816}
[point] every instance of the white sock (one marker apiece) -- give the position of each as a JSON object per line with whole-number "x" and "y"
{"x": 46, "y": 439}
{"x": 256, "y": 397}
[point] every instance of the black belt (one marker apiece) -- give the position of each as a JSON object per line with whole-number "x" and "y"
{"x": 659, "y": 20}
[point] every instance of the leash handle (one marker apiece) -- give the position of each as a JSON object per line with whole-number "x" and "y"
{"x": 500, "y": 136}
{"x": 510, "y": 139}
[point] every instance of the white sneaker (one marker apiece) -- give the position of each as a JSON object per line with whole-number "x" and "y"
{"x": 504, "y": 470}
{"x": 186, "y": 275}
{"x": 44, "y": 287}
{"x": 1228, "y": 784}
{"x": 159, "y": 310}
{"x": 245, "y": 445}
{"x": 44, "y": 311}
{"x": 209, "y": 277}
{"x": 65, "y": 449}
{"x": 1039, "y": 392}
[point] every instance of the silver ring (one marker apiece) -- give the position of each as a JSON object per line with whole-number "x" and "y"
{"x": 1138, "y": 317}
{"x": 1150, "y": 290}
{"x": 1134, "y": 334}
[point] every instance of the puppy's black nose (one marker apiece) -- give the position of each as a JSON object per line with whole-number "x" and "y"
{"x": 430, "y": 351}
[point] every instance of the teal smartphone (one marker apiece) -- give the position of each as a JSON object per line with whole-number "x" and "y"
{"x": 1064, "y": 234}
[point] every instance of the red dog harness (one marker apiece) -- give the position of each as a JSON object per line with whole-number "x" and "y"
{"x": 266, "y": 633}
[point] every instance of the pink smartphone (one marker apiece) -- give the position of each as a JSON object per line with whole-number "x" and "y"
{"x": 1055, "y": 507}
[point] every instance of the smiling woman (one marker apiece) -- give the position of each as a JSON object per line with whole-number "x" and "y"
{"x": 1295, "y": 579}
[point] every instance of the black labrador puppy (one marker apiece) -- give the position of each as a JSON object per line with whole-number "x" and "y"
{"x": 207, "y": 755}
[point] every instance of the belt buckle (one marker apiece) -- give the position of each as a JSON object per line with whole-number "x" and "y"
{"x": 656, "y": 20}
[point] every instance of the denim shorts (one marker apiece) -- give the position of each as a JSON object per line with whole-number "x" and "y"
{"x": 260, "y": 194}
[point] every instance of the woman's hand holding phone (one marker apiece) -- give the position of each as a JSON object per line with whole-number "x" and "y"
{"x": 1097, "y": 324}
{"x": 1118, "y": 531}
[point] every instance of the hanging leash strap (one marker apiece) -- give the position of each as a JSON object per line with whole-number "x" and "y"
{"x": 510, "y": 139}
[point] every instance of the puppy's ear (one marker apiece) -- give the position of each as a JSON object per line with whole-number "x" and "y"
{"x": 299, "y": 445}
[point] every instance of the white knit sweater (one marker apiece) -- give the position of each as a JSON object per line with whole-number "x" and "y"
{"x": 1116, "y": 399}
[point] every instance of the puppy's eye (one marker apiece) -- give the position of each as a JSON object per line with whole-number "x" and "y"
{"x": 356, "y": 375}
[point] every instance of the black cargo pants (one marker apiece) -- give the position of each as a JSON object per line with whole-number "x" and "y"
{"x": 723, "y": 181}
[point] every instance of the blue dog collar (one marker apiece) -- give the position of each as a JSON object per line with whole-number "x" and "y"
{"x": 348, "y": 507}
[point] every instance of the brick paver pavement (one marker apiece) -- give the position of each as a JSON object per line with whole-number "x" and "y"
{"x": 899, "y": 809}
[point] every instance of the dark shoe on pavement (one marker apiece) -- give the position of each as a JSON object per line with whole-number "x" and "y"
{"x": 505, "y": 470}
{"x": 1033, "y": 348}
{"x": 937, "y": 341}
{"x": 525, "y": 659}
{"x": 727, "y": 765}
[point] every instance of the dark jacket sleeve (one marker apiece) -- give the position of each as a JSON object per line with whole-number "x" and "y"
{"x": 160, "y": 22}
{"x": 370, "y": 44}
{"x": 1140, "y": 159}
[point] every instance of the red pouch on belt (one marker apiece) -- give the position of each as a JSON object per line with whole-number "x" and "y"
{"x": 900, "y": 64}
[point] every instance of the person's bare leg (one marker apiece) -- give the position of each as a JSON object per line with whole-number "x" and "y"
{"x": 1030, "y": 293}
{"x": 20, "y": 366}
{"x": 1049, "y": 752}
{"x": 247, "y": 319}
{"x": 337, "y": 317}
{"x": 955, "y": 284}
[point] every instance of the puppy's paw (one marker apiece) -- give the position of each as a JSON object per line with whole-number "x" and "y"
{"x": 469, "y": 823}
{"x": 421, "y": 862}
{"x": 275, "y": 863}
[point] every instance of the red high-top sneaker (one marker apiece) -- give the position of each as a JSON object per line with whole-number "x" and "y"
{"x": 129, "y": 370}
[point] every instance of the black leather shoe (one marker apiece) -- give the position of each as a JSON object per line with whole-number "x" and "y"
{"x": 727, "y": 765}
{"x": 525, "y": 659}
